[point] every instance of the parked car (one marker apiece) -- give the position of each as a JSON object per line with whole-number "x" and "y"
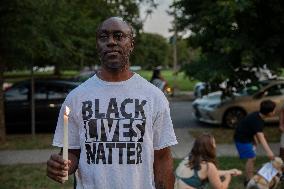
{"x": 83, "y": 76}
{"x": 228, "y": 110}
{"x": 49, "y": 95}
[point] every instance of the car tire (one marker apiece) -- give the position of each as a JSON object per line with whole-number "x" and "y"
{"x": 233, "y": 116}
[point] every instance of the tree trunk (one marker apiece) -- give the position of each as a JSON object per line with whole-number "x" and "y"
{"x": 2, "y": 117}
{"x": 57, "y": 72}
{"x": 32, "y": 102}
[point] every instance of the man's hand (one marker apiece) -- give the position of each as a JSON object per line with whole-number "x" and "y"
{"x": 57, "y": 168}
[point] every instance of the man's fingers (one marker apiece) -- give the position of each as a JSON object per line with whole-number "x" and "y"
{"x": 56, "y": 178}
{"x": 57, "y": 168}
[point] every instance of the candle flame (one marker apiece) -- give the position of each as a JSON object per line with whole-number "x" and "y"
{"x": 67, "y": 110}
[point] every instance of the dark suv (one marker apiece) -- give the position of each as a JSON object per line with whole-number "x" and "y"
{"x": 48, "y": 95}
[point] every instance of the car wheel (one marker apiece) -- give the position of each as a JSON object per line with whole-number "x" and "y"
{"x": 233, "y": 116}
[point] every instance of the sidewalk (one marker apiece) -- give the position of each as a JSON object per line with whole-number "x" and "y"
{"x": 10, "y": 157}
{"x": 186, "y": 141}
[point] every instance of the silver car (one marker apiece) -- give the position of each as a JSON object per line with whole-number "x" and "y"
{"x": 228, "y": 111}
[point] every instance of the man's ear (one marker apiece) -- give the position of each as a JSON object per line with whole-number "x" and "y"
{"x": 132, "y": 46}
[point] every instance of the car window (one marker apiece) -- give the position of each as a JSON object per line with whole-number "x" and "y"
{"x": 250, "y": 89}
{"x": 17, "y": 93}
{"x": 275, "y": 90}
{"x": 58, "y": 91}
{"x": 40, "y": 92}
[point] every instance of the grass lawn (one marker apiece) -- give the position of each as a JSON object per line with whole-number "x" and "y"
{"x": 225, "y": 135}
{"x": 20, "y": 142}
{"x": 33, "y": 176}
{"x": 181, "y": 82}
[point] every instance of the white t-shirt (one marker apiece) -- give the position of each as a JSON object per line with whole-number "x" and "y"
{"x": 117, "y": 126}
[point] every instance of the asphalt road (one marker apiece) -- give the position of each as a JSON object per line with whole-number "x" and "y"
{"x": 181, "y": 113}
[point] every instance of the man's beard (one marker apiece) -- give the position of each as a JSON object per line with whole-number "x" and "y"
{"x": 117, "y": 65}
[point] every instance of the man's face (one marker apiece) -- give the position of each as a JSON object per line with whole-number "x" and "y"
{"x": 114, "y": 44}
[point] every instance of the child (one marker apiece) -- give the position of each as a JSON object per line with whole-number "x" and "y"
{"x": 249, "y": 132}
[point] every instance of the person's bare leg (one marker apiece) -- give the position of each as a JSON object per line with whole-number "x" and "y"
{"x": 249, "y": 168}
{"x": 281, "y": 154}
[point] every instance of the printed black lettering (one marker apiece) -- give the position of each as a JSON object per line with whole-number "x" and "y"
{"x": 139, "y": 108}
{"x": 93, "y": 129}
{"x": 98, "y": 115}
{"x": 110, "y": 146}
{"x": 112, "y": 108}
{"x": 87, "y": 111}
{"x": 120, "y": 146}
{"x": 131, "y": 133}
{"x": 101, "y": 154}
{"x": 141, "y": 128}
{"x": 130, "y": 153}
{"x": 90, "y": 153}
{"x": 122, "y": 108}
{"x": 110, "y": 126}
{"x": 138, "y": 155}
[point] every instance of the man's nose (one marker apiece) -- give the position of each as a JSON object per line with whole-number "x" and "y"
{"x": 111, "y": 40}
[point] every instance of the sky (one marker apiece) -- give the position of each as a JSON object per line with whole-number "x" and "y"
{"x": 159, "y": 21}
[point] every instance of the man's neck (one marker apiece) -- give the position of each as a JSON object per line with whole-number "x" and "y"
{"x": 114, "y": 76}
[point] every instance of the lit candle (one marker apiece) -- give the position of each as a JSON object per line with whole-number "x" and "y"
{"x": 65, "y": 137}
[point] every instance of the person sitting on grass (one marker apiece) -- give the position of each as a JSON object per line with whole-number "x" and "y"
{"x": 200, "y": 167}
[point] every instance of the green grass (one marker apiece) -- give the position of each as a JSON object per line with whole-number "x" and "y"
{"x": 180, "y": 81}
{"x": 26, "y": 142}
{"x": 31, "y": 176}
{"x": 225, "y": 135}
{"x": 225, "y": 163}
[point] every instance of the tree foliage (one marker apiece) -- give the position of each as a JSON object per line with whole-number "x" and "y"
{"x": 60, "y": 33}
{"x": 151, "y": 50}
{"x": 232, "y": 34}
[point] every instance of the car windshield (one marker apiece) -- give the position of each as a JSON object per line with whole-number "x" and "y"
{"x": 251, "y": 88}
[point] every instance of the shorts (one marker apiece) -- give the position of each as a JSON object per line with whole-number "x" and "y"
{"x": 282, "y": 141}
{"x": 246, "y": 150}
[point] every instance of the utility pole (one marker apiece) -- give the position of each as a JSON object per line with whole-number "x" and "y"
{"x": 175, "y": 51}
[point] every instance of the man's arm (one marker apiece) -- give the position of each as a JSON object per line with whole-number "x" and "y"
{"x": 262, "y": 140}
{"x": 57, "y": 167}
{"x": 281, "y": 120}
{"x": 163, "y": 169}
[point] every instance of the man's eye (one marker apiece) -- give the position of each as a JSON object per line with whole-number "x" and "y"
{"x": 118, "y": 36}
{"x": 103, "y": 36}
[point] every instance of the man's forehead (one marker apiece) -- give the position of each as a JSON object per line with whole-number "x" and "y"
{"x": 114, "y": 24}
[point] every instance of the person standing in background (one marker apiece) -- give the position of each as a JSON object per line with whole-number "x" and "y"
{"x": 249, "y": 133}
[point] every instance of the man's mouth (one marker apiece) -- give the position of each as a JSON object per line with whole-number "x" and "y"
{"x": 112, "y": 53}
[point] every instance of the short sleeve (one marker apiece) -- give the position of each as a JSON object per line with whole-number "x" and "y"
{"x": 164, "y": 135}
{"x": 73, "y": 129}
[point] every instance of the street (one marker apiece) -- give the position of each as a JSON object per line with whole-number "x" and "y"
{"x": 181, "y": 113}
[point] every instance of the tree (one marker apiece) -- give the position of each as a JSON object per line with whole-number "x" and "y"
{"x": 59, "y": 33}
{"x": 231, "y": 35}
{"x": 151, "y": 50}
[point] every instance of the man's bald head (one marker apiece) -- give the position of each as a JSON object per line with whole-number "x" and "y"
{"x": 117, "y": 19}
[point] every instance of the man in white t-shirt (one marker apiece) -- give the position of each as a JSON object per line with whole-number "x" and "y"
{"x": 120, "y": 129}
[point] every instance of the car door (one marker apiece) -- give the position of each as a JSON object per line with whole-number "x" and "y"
{"x": 275, "y": 93}
{"x": 41, "y": 106}
{"x": 17, "y": 108}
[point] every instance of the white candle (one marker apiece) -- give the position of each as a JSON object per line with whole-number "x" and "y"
{"x": 65, "y": 137}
